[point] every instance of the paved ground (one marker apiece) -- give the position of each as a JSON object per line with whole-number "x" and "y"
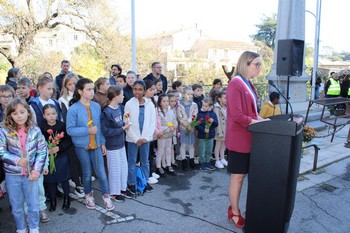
{"x": 197, "y": 201}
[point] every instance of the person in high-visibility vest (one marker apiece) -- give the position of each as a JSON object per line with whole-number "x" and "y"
{"x": 332, "y": 87}
{"x": 345, "y": 85}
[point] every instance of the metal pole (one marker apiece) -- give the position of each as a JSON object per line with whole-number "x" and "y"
{"x": 316, "y": 49}
{"x": 133, "y": 36}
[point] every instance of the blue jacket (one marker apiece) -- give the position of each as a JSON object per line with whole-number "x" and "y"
{"x": 77, "y": 120}
{"x": 112, "y": 123}
{"x": 201, "y": 127}
{"x": 38, "y": 109}
{"x": 10, "y": 150}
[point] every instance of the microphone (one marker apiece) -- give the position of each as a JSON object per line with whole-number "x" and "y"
{"x": 287, "y": 101}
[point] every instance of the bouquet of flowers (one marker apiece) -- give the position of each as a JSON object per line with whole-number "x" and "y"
{"x": 54, "y": 140}
{"x": 194, "y": 123}
{"x": 208, "y": 122}
{"x": 309, "y": 133}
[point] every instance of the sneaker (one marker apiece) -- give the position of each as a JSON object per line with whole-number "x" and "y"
{"x": 108, "y": 203}
{"x": 209, "y": 166}
{"x": 152, "y": 180}
{"x": 131, "y": 189}
{"x": 148, "y": 188}
{"x": 155, "y": 175}
{"x": 175, "y": 165}
{"x": 196, "y": 161}
{"x": 71, "y": 183}
{"x": 44, "y": 217}
{"x": 90, "y": 202}
{"x": 160, "y": 172}
{"x": 179, "y": 157}
{"x": 118, "y": 198}
{"x": 93, "y": 178}
{"x": 218, "y": 164}
{"x": 125, "y": 194}
{"x": 171, "y": 171}
{"x": 203, "y": 167}
{"x": 224, "y": 162}
{"x": 80, "y": 193}
{"x": 22, "y": 231}
{"x": 35, "y": 230}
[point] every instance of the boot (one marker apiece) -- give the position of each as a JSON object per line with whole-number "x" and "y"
{"x": 66, "y": 203}
{"x": 184, "y": 165}
{"x": 192, "y": 165}
{"x": 53, "y": 204}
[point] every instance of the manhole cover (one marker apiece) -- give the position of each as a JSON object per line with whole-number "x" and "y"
{"x": 328, "y": 187}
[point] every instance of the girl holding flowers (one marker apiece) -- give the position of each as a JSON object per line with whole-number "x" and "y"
{"x": 187, "y": 113}
{"x": 23, "y": 150}
{"x": 168, "y": 121}
{"x": 59, "y": 144}
{"x": 83, "y": 125}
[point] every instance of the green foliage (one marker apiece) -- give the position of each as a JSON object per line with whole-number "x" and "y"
{"x": 260, "y": 82}
{"x": 4, "y": 67}
{"x": 267, "y": 30}
{"x": 87, "y": 63}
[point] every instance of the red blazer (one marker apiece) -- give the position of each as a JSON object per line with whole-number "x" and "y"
{"x": 241, "y": 109}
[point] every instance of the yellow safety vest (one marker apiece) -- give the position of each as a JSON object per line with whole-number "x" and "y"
{"x": 349, "y": 91}
{"x": 334, "y": 88}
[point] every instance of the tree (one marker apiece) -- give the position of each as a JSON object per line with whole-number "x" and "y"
{"x": 267, "y": 30}
{"x": 20, "y": 22}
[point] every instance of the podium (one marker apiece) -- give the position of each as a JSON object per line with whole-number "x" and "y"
{"x": 273, "y": 172}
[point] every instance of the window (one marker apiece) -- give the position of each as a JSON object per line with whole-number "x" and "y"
{"x": 50, "y": 42}
{"x": 75, "y": 37}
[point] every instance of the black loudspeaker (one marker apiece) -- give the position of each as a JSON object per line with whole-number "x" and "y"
{"x": 290, "y": 54}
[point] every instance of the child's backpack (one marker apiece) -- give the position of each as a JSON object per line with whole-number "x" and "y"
{"x": 141, "y": 181}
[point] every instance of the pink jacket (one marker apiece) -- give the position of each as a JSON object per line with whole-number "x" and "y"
{"x": 241, "y": 109}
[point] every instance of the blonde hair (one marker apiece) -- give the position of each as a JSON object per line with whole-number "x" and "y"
{"x": 9, "y": 123}
{"x": 43, "y": 79}
{"x": 243, "y": 62}
{"x": 67, "y": 78}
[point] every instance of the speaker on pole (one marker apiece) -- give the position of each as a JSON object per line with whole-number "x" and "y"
{"x": 290, "y": 54}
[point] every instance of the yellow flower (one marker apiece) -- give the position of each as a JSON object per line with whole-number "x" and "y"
{"x": 90, "y": 122}
{"x": 13, "y": 134}
{"x": 170, "y": 124}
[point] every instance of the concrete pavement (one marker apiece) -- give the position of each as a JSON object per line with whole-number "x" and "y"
{"x": 196, "y": 201}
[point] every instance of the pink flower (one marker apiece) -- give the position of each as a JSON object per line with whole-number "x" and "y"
{"x": 49, "y": 131}
{"x": 62, "y": 134}
{"x": 50, "y": 138}
{"x": 178, "y": 134}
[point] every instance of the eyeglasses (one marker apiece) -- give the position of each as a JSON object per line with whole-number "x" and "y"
{"x": 6, "y": 97}
{"x": 257, "y": 64}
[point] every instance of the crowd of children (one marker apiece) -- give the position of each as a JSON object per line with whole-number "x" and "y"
{"x": 102, "y": 129}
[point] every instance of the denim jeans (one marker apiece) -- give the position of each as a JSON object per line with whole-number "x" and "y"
{"x": 132, "y": 157}
{"x": 205, "y": 149}
{"x": 86, "y": 157}
{"x": 42, "y": 197}
{"x": 21, "y": 189}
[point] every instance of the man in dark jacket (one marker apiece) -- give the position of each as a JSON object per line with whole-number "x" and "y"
{"x": 65, "y": 66}
{"x": 157, "y": 74}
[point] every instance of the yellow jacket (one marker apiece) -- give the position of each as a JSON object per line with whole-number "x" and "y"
{"x": 269, "y": 110}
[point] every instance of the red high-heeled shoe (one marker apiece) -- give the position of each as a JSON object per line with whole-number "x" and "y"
{"x": 230, "y": 215}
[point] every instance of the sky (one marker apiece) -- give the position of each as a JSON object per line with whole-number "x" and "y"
{"x": 232, "y": 19}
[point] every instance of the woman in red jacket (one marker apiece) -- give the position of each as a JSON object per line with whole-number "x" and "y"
{"x": 241, "y": 112}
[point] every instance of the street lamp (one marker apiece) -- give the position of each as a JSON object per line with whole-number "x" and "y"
{"x": 316, "y": 46}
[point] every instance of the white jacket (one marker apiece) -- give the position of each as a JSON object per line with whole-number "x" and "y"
{"x": 149, "y": 123}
